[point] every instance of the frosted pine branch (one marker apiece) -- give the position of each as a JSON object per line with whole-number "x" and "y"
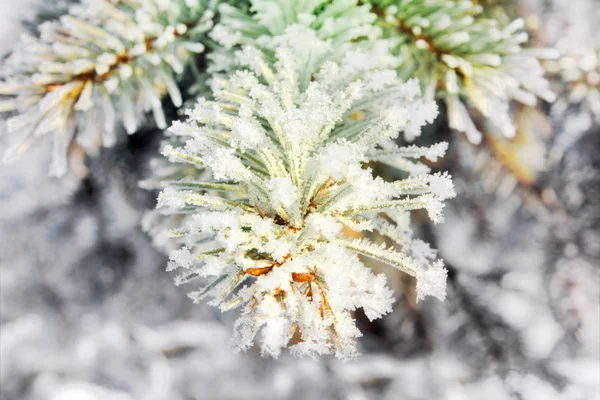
{"x": 465, "y": 59}
{"x": 316, "y": 31}
{"x": 103, "y": 62}
{"x": 282, "y": 172}
{"x": 338, "y": 20}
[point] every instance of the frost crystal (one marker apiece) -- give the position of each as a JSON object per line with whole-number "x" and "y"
{"x": 104, "y": 61}
{"x": 284, "y": 179}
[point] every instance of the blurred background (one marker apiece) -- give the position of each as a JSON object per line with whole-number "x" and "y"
{"x": 87, "y": 310}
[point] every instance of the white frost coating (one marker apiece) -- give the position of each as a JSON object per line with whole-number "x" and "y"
{"x": 100, "y": 57}
{"x": 180, "y": 258}
{"x": 272, "y": 235}
{"x": 467, "y": 59}
{"x": 432, "y": 281}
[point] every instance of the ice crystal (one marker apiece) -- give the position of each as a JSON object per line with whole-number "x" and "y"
{"x": 465, "y": 59}
{"x": 286, "y": 174}
{"x": 103, "y": 62}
